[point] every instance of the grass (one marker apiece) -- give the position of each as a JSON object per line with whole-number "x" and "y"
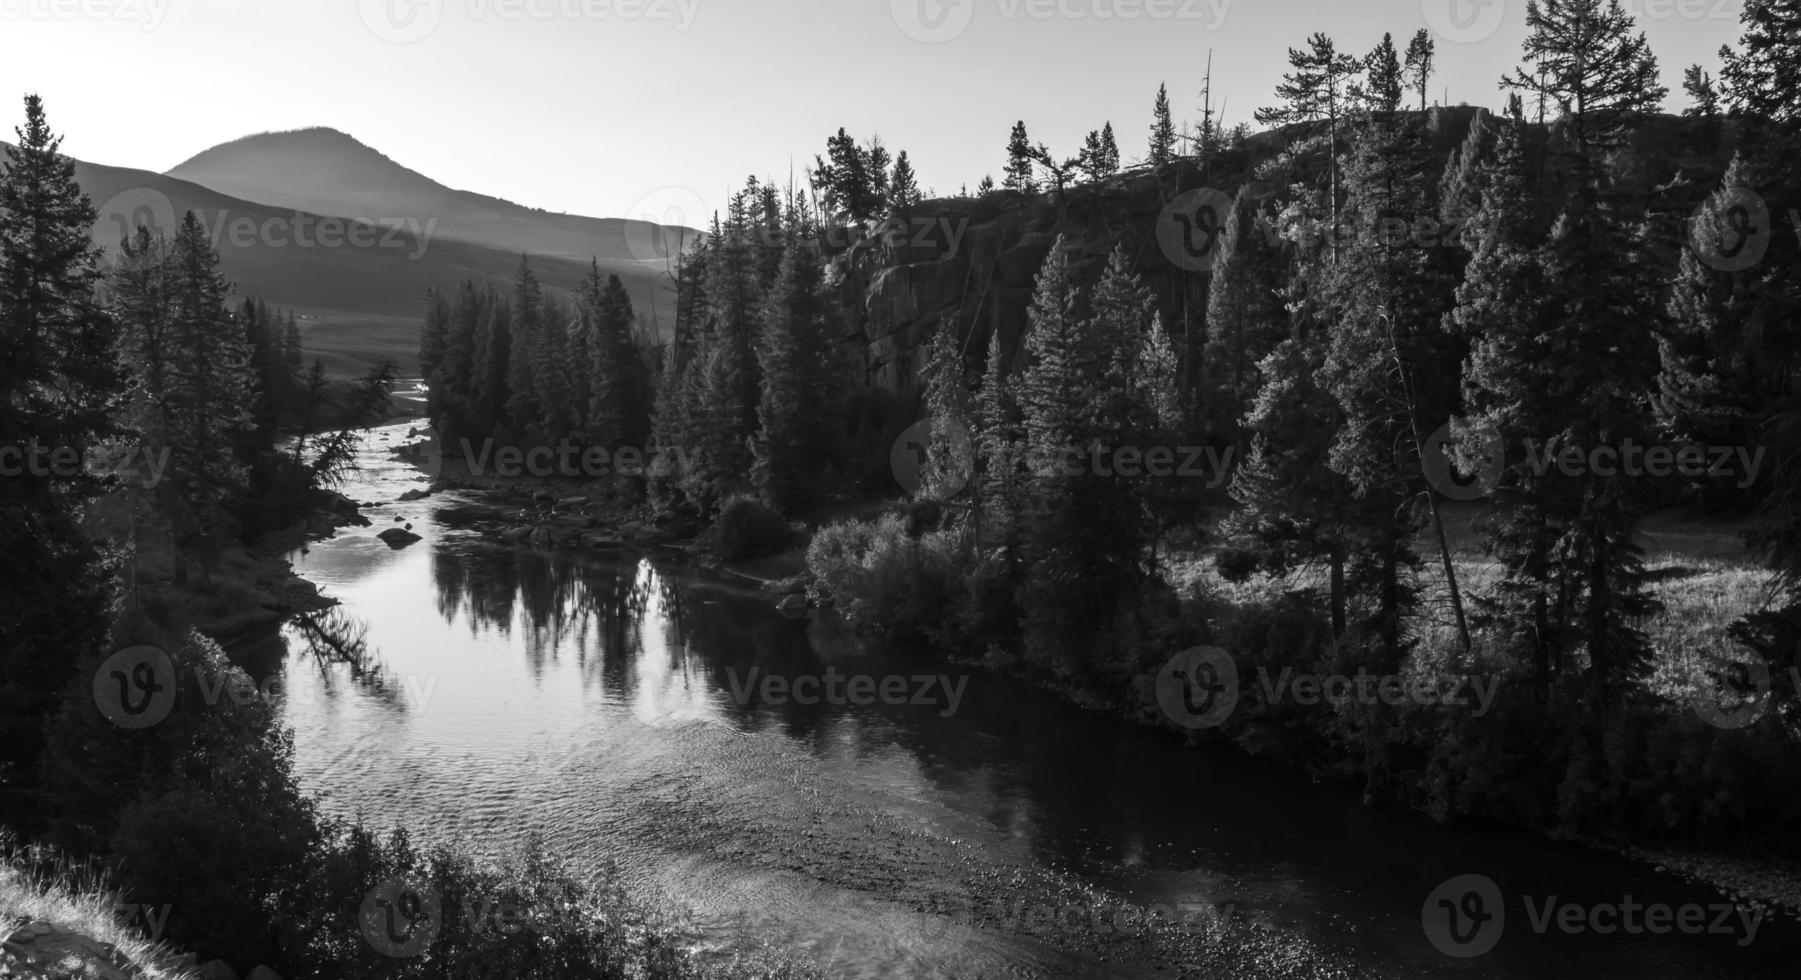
{"x": 1705, "y": 578}
{"x": 39, "y": 886}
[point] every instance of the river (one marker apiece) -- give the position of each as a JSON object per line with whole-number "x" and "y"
{"x": 606, "y": 702}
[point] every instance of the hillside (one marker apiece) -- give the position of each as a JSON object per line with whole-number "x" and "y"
{"x": 360, "y": 301}
{"x": 328, "y": 172}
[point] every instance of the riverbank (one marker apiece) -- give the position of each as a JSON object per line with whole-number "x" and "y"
{"x": 1390, "y": 753}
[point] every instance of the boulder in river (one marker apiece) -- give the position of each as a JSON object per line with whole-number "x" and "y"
{"x": 398, "y": 538}
{"x": 412, "y": 495}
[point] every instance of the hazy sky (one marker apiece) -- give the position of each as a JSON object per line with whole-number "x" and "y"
{"x": 638, "y": 107}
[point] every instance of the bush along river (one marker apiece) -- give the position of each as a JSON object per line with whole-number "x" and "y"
{"x": 881, "y": 813}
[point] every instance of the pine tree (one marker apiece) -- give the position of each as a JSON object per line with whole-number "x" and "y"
{"x": 1100, "y": 154}
{"x": 1703, "y": 98}
{"x": 1583, "y": 57}
{"x": 209, "y": 385}
{"x": 1293, "y": 510}
{"x": 525, "y": 406}
{"x": 434, "y": 334}
{"x": 1316, "y": 90}
{"x": 1383, "y": 93}
{"x": 789, "y": 436}
{"x": 1056, "y": 403}
{"x": 58, "y": 387}
{"x": 490, "y": 392}
{"x": 1387, "y": 365}
{"x": 1763, "y": 80}
{"x": 904, "y": 187}
{"x": 1163, "y": 131}
{"x": 1246, "y": 317}
{"x": 141, "y": 286}
{"x": 1417, "y": 69}
{"x": 1018, "y": 174}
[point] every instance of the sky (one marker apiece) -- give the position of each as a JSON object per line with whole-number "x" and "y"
{"x": 659, "y": 108}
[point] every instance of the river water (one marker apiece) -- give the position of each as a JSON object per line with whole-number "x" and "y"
{"x": 606, "y": 701}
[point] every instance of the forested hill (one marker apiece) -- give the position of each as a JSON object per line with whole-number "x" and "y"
{"x": 972, "y": 261}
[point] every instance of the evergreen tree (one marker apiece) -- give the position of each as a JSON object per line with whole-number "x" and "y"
{"x": 1315, "y": 90}
{"x": 904, "y": 187}
{"x": 1417, "y": 69}
{"x": 1383, "y": 93}
{"x": 1583, "y": 57}
{"x": 1763, "y": 80}
{"x": 525, "y": 406}
{"x": 1163, "y": 131}
{"x": 1246, "y": 317}
{"x": 790, "y": 435}
{"x": 1704, "y": 99}
{"x": 58, "y": 387}
{"x": 209, "y": 386}
{"x": 1018, "y": 175}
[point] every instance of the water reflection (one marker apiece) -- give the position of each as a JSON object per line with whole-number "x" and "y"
{"x": 603, "y": 700}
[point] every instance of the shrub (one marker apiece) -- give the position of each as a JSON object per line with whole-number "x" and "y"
{"x": 885, "y": 580}
{"x": 748, "y": 528}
